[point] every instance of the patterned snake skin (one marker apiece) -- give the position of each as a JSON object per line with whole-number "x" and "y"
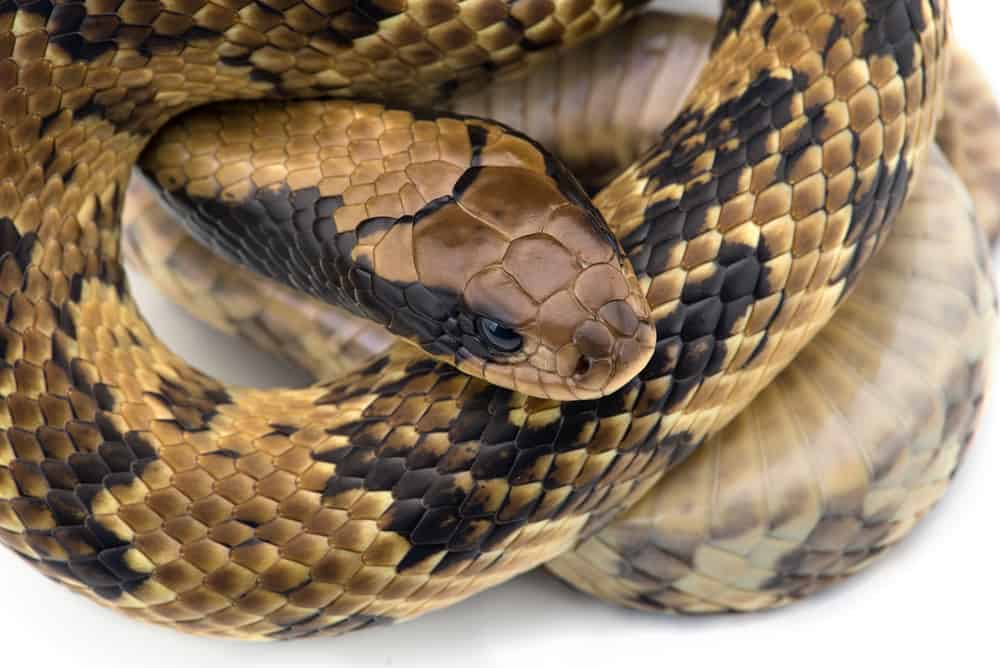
{"x": 143, "y": 484}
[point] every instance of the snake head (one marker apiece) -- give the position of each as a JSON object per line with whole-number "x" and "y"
{"x": 472, "y": 243}
{"x": 549, "y": 305}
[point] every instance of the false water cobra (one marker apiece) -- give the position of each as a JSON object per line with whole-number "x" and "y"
{"x": 138, "y": 481}
{"x": 653, "y": 557}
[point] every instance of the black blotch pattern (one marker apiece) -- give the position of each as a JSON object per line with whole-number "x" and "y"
{"x": 690, "y": 337}
{"x": 96, "y": 554}
{"x": 477, "y": 141}
{"x": 445, "y": 510}
{"x": 449, "y": 519}
{"x": 290, "y": 236}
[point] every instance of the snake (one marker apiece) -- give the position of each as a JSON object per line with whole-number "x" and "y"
{"x": 529, "y": 404}
{"x": 640, "y": 561}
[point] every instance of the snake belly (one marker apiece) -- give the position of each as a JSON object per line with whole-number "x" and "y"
{"x": 145, "y": 485}
{"x": 869, "y": 478}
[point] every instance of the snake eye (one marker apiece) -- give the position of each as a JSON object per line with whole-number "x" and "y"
{"x": 499, "y": 336}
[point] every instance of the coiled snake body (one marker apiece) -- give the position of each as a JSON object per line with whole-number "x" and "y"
{"x": 408, "y": 485}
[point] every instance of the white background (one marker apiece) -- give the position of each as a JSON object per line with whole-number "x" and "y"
{"x": 932, "y": 602}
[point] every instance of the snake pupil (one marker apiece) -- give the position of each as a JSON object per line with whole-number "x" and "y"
{"x": 498, "y": 336}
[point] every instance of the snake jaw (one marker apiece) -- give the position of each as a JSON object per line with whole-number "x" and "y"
{"x": 585, "y": 340}
{"x": 611, "y": 344}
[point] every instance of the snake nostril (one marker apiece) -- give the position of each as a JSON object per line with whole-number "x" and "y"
{"x": 582, "y": 366}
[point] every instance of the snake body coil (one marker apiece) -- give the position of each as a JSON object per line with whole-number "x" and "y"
{"x": 408, "y": 485}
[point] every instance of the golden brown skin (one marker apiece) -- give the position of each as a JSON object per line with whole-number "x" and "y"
{"x": 842, "y": 455}
{"x": 783, "y": 212}
{"x": 145, "y": 485}
{"x": 783, "y": 502}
